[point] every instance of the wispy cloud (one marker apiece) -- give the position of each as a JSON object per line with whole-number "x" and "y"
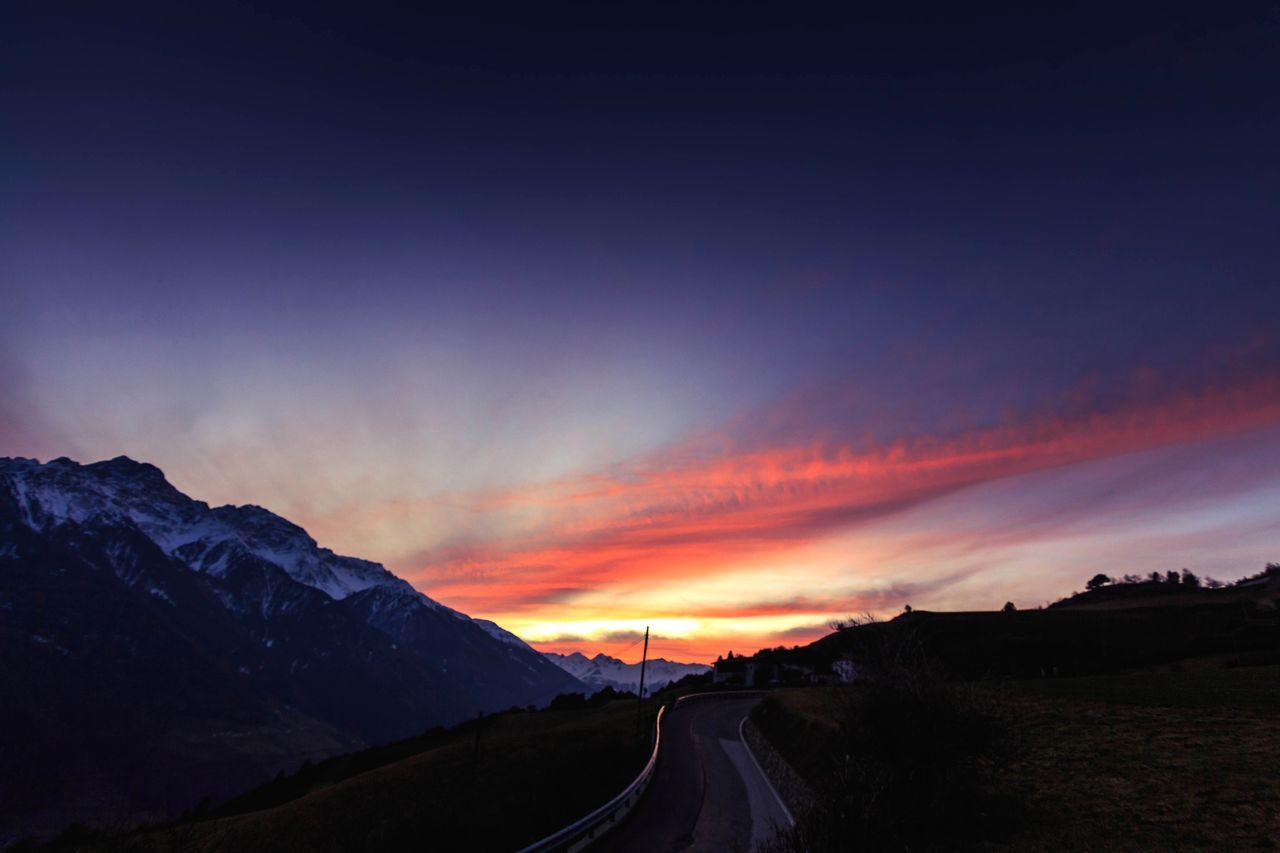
{"x": 699, "y": 508}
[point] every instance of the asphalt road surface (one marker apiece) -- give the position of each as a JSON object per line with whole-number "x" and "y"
{"x": 707, "y": 794}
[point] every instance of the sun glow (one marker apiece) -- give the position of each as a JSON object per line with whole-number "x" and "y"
{"x": 598, "y": 629}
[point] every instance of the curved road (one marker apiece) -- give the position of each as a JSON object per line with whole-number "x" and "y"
{"x": 707, "y": 794}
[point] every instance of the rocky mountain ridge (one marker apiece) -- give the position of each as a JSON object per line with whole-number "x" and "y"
{"x": 156, "y": 649}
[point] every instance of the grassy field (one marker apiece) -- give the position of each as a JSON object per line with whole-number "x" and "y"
{"x": 1159, "y": 761}
{"x": 1152, "y": 761}
{"x": 532, "y": 774}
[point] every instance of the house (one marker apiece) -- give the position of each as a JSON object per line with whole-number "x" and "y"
{"x": 733, "y": 672}
{"x": 744, "y": 672}
{"x": 845, "y": 670}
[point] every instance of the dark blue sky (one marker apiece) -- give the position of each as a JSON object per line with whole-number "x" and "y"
{"x": 363, "y": 254}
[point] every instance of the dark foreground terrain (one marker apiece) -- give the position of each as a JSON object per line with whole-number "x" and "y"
{"x": 1142, "y": 761}
{"x": 1155, "y": 725}
{"x": 526, "y": 775}
{"x": 1142, "y": 715}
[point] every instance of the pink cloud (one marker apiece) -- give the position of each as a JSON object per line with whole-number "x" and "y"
{"x": 696, "y": 508}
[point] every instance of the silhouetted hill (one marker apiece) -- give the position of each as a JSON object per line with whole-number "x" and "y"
{"x": 1112, "y": 629}
{"x": 1260, "y": 589}
{"x": 497, "y": 783}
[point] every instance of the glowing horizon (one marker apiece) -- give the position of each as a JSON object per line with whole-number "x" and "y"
{"x": 730, "y": 335}
{"x": 726, "y": 541}
{"x": 707, "y": 552}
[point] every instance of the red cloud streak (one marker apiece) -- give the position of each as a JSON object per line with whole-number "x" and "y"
{"x": 671, "y": 516}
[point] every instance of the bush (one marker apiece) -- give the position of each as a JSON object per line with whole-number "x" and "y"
{"x": 568, "y": 702}
{"x": 913, "y": 767}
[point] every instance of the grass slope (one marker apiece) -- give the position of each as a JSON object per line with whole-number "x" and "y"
{"x": 533, "y": 773}
{"x": 1145, "y": 761}
{"x": 1152, "y": 761}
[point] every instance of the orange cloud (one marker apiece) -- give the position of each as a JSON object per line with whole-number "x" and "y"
{"x": 689, "y": 513}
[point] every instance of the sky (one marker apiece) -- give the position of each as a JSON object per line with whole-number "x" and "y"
{"x": 694, "y": 317}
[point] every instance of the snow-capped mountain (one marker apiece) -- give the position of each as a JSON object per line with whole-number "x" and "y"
{"x": 124, "y": 491}
{"x": 604, "y": 671}
{"x": 147, "y": 633}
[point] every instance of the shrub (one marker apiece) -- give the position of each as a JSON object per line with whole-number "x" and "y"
{"x": 913, "y": 766}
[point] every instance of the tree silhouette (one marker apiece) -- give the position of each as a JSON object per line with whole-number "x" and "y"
{"x": 1008, "y": 607}
{"x": 1172, "y": 577}
{"x": 1189, "y": 579}
{"x": 1098, "y": 581}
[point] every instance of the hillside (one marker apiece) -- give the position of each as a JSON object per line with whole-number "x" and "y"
{"x": 463, "y": 788}
{"x": 1262, "y": 590}
{"x": 1113, "y": 629}
{"x": 1149, "y": 761}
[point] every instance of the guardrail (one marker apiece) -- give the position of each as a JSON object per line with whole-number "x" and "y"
{"x": 585, "y": 832}
{"x": 715, "y": 694}
{"x": 578, "y": 835}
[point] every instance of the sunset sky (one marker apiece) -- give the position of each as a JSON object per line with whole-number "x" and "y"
{"x": 687, "y": 319}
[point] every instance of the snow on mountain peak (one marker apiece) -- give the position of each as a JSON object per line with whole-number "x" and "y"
{"x": 493, "y": 629}
{"x": 206, "y": 539}
{"x": 605, "y": 671}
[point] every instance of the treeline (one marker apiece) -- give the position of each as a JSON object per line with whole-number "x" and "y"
{"x": 1183, "y": 577}
{"x": 574, "y": 701}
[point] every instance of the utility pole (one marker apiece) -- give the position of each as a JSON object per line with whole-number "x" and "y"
{"x": 644, "y": 659}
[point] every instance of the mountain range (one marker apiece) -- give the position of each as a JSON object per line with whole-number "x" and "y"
{"x": 603, "y": 671}
{"x": 155, "y": 650}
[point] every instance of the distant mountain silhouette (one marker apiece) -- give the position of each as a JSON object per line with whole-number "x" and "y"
{"x": 604, "y": 671}
{"x": 154, "y": 650}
